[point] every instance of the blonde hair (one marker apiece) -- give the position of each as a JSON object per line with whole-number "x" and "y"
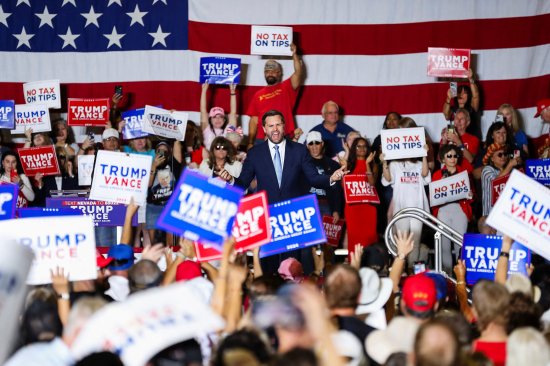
{"x": 515, "y": 119}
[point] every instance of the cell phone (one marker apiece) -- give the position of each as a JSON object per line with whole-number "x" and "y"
{"x": 451, "y": 127}
{"x": 516, "y": 153}
{"x": 118, "y": 89}
{"x": 91, "y": 136}
{"x": 454, "y": 88}
{"x": 419, "y": 267}
{"x": 499, "y": 118}
{"x": 161, "y": 153}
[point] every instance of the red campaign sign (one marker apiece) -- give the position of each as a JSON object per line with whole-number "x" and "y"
{"x": 251, "y": 228}
{"x": 206, "y": 252}
{"x": 87, "y": 112}
{"x": 333, "y": 231}
{"x": 39, "y": 160}
{"x": 497, "y": 186}
{"x": 358, "y": 190}
{"x": 448, "y": 62}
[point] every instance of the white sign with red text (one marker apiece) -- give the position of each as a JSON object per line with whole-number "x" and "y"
{"x": 522, "y": 212}
{"x": 403, "y": 143}
{"x": 119, "y": 176}
{"x": 162, "y": 122}
{"x": 45, "y": 92}
{"x": 450, "y": 189}
{"x": 266, "y": 40}
{"x": 35, "y": 116}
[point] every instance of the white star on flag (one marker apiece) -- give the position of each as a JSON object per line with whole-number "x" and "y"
{"x": 4, "y": 16}
{"x": 114, "y": 2}
{"x": 68, "y": 2}
{"x": 114, "y": 38}
{"x": 137, "y": 16}
{"x": 45, "y": 17}
{"x": 69, "y": 38}
{"x": 23, "y": 38}
{"x": 159, "y": 37}
{"x": 23, "y": 2}
{"x": 164, "y": 1}
{"x": 91, "y": 17}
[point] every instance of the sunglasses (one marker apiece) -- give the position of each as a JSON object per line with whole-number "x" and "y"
{"x": 220, "y": 147}
{"x": 500, "y": 155}
{"x": 314, "y": 143}
{"x": 451, "y": 156}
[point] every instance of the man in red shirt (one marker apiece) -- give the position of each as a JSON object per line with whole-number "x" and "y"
{"x": 469, "y": 144}
{"x": 278, "y": 94}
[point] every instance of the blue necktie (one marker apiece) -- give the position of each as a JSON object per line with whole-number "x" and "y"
{"x": 278, "y": 165}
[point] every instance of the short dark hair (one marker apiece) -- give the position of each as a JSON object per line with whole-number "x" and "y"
{"x": 444, "y": 149}
{"x": 271, "y": 113}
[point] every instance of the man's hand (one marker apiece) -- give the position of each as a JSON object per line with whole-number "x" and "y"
{"x": 460, "y": 270}
{"x": 355, "y": 257}
{"x": 404, "y": 242}
{"x": 338, "y": 174}
{"x": 60, "y": 281}
{"x": 153, "y": 252}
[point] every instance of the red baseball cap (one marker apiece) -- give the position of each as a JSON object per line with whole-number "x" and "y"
{"x": 101, "y": 261}
{"x": 187, "y": 270}
{"x": 542, "y": 105}
{"x": 419, "y": 293}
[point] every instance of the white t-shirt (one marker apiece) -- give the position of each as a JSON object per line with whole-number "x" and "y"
{"x": 408, "y": 185}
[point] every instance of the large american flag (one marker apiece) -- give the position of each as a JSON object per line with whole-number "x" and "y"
{"x": 367, "y": 55}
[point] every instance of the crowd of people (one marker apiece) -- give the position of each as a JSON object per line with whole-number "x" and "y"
{"x": 306, "y": 307}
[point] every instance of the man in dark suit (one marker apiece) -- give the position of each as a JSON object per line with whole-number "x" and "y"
{"x": 282, "y": 168}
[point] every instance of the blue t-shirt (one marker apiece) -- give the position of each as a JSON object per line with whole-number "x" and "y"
{"x": 521, "y": 139}
{"x": 128, "y": 149}
{"x": 333, "y": 140}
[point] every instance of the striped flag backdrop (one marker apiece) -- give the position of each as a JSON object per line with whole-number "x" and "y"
{"x": 369, "y": 56}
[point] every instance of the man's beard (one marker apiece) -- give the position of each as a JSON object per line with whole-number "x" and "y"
{"x": 271, "y": 80}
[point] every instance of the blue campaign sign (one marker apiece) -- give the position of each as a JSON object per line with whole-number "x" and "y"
{"x": 104, "y": 213}
{"x": 481, "y": 252}
{"x": 201, "y": 209}
{"x": 220, "y": 70}
{"x": 295, "y": 224}
{"x": 539, "y": 170}
{"x": 133, "y": 128}
{"x": 8, "y": 201}
{"x": 7, "y": 114}
{"x": 24, "y": 213}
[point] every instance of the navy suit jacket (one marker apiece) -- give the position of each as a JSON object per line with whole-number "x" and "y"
{"x": 299, "y": 172}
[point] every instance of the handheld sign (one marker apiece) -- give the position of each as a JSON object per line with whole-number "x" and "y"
{"x": 403, "y": 143}
{"x": 64, "y": 241}
{"x": 497, "y": 186}
{"x": 207, "y": 252}
{"x": 87, "y": 112}
{"x": 333, "y": 231}
{"x": 15, "y": 263}
{"x": 539, "y": 170}
{"x": 480, "y": 254}
{"x": 220, "y": 70}
{"x": 251, "y": 228}
{"x": 40, "y": 159}
{"x": 162, "y": 122}
{"x": 133, "y": 127}
{"x": 358, "y": 190}
{"x": 295, "y": 224}
{"x": 266, "y": 40}
{"x": 523, "y": 213}
{"x": 8, "y": 200}
{"x": 450, "y": 189}
{"x": 85, "y": 169}
{"x": 148, "y": 322}
{"x": 448, "y": 62}
{"x": 35, "y": 116}
{"x": 103, "y": 213}
{"x": 201, "y": 209}
{"x": 47, "y": 92}
{"x": 119, "y": 176}
{"x": 7, "y": 114}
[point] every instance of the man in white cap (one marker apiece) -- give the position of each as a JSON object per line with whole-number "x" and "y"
{"x": 111, "y": 139}
{"x": 278, "y": 94}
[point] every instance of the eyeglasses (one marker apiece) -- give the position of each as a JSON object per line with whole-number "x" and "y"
{"x": 500, "y": 155}
{"x": 361, "y": 147}
{"x": 451, "y": 156}
{"x": 314, "y": 143}
{"x": 220, "y": 147}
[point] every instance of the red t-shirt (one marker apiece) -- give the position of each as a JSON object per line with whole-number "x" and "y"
{"x": 281, "y": 97}
{"x": 495, "y": 351}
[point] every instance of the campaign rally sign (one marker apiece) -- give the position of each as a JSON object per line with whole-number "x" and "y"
{"x": 120, "y": 176}
{"x": 251, "y": 228}
{"x": 480, "y": 254}
{"x": 27, "y": 212}
{"x": 87, "y": 112}
{"x": 149, "y": 321}
{"x": 15, "y": 263}
{"x": 450, "y": 189}
{"x": 35, "y": 116}
{"x": 448, "y": 62}
{"x": 47, "y": 92}
{"x": 7, "y": 114}
{"x": 266, "y": 40}
{"x": 8, "y": 200}
{"x": 295, "y": 224}
{"x": 201, "y": 209}
{"x": 333, "y": 231}
{"x": 162, "y": 122}
{"x": 523, "y": 213}
{"x": 85, "y": 169}
{"x": 403, "y": 143}
{"x": 133, "y": 127}
{"x": 64, "y": 241}
{"x": 497, "y": 186}
{"x": 220, "y": 70}
{"x": 539, "y": 170}
{"x": 206, "y": 252}
{"x": 358, "y": 190}
{"x": 40, "y": 159}
{"x": 102, "y": 212}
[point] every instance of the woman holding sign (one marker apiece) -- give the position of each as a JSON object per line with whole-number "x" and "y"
{"x": 214, "y": 122}
{"x": 455, "y": 214}
{"x": 9, "y": 174}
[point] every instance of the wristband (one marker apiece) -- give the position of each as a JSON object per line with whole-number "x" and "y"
{"x": 63, "y": 296}
{"x": 460, "y": 283}
{"x": 504, "y": 254}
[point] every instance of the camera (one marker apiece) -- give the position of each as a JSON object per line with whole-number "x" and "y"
{"x": 118, "y": 89}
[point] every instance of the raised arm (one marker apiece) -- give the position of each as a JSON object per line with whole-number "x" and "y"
{"x": 405, "y": 244}
{"x": 127, "y": 237}
{"x": 232, "y": 118}
{"x": 447, "y": 105}
{"x": 475, "y": 92}
{"x": 501, "y": 272}
{"x": 297, "y": 77}
{"x": 252, "y": 130}
{"x": 204, "y": 109}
